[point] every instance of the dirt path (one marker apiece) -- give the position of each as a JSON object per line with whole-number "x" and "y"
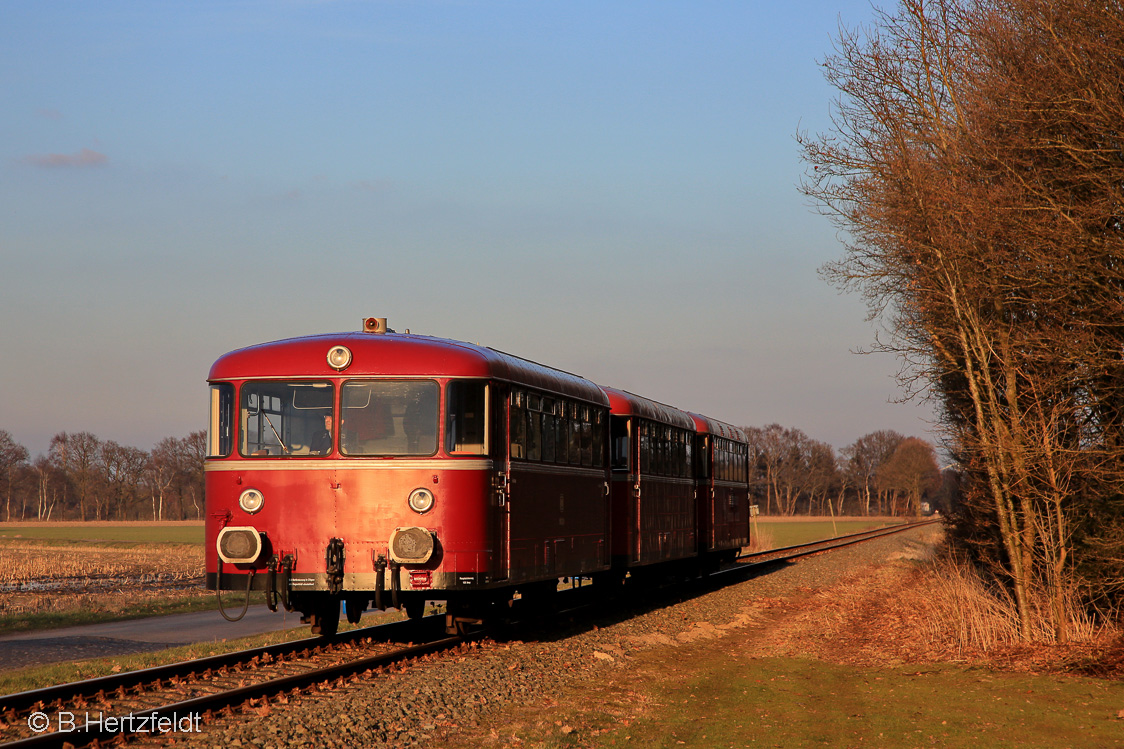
{"x": 674, "y": 688}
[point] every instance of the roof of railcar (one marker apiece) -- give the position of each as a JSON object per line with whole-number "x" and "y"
{"x": 396, "y": 355}
{"x": 707, "y": 425}
{"x": 624, "y": 403}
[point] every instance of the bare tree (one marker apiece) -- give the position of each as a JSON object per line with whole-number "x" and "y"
{"x": 863, "y": 458}
{"x": 975, "y": 166}
{"x": 910, "y": 473}
{"x": 46, "y": 492}
{"x": 160, "y": 473}
{"x": 12, "y": 456}
{"x": 122, "y": 469}
{"x": 76, "y": 456}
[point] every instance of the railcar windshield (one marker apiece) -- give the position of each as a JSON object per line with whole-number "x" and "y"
{"x": 389, "y": 417}
{"x": 286, "y": 419}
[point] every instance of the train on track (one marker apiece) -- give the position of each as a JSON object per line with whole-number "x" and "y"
{"x": 382, "y": 469}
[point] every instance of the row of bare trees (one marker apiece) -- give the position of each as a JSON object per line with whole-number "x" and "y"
{"x": 976, "y": 165}
{"x": 83, "y": 477}
{"x": 881, "y": 473}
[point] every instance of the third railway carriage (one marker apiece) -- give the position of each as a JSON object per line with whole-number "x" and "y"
{"x": 722, "y": 481}
{"x": 377, "y": 467}
{"x": 653, "y": 485}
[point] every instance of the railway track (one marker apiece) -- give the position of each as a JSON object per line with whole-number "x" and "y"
{"x": 815, "y": 547}
{"x": 154, "y": 700}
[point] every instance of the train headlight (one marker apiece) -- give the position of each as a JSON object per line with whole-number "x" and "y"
{"x": 240, "y": 545}
{"x": 251, "y": 500}
{"x": 421, "y": 500}
{"x": 412, "y": 545}
{"x": 339, "y": 357}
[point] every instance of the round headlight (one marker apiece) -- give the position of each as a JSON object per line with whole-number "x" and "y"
{"x": 339, "y": 357}
{"x": 251, "y": 501}
{"x": 421, "y": 500}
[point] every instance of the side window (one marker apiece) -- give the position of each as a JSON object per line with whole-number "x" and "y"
{"x": 575, "y": 435}
{"x": 702, "y": 469}
{"x": 220, "y": 434}
{"x": 600, "y": 422}
{"x": 534, "y": 427}
{"x": 587, "y": 437}
{"x": 645, "y": 449}
{"x": 618, "y": 443}
{"x": 562, "y": 433}
{"x": 465, "y": 418}
{"x": 548, "y": 430}
{"x": 518, "y": 425}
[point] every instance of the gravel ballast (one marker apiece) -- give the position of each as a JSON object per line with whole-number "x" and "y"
{"x": 459, "y": 698}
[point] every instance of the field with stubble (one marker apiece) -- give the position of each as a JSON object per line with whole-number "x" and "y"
{"x": 60, "y": 574}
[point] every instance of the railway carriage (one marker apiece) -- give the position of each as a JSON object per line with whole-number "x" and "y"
{"x": 722, "y": 483}
{"x": 653, "y": 485}
{"x": 374, "y": 467}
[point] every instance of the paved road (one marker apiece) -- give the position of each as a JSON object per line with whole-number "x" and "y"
{"x": 136, "y": 636}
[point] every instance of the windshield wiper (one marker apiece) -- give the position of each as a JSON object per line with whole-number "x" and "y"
{"x": 275, "y": 434}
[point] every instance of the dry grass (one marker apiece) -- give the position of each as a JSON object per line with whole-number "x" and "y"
{"x": 969, "y": 614}
{"x": 762, "y": 540}
{"x": 31, "y": 563}
{"x": 54, "y": 582}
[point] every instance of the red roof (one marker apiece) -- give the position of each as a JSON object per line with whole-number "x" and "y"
{"x": 623, "y": 403}
{"x": 707, "y": 425}
{"x": 396, "y": 355}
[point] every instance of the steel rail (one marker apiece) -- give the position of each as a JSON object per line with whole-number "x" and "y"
{"x": 211, "y": 703}
{"x": 20, "y": 702}
{"x": 785, "y": 553}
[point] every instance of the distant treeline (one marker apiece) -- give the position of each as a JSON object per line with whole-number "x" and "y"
{"x": 83, "y": 477}
{"x": 881, "y": 473}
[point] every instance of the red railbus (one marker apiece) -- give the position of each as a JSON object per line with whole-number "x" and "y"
{"x": 722, "y": 480}
{"x": 653, "y": 485}
{"x": 390, "y": 469}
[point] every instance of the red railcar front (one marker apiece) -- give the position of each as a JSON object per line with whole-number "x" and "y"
{"x": 379, "y": 468}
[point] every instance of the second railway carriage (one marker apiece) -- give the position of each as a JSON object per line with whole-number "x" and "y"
{"x": 722, "y": 481}
{"x": 653, "y": 486}
{"x": 377, "y": 467}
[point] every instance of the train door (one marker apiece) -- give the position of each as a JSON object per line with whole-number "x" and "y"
{"x": 500, "y": 450}
{"x": 622, "y": 500}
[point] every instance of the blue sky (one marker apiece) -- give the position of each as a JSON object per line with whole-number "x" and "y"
{"x": 609, "y": 188}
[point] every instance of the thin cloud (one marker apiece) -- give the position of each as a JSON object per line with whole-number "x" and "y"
{"x": 377, "y": 186}
{"x": 84, "y": 158}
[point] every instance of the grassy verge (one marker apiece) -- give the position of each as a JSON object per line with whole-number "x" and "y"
{"x": 780, "y": 532}
{"x": 800, "y": 702}
{"x": 119, "y": 608}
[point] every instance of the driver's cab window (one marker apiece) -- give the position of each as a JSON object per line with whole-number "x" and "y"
{"x": 284, "y": 419}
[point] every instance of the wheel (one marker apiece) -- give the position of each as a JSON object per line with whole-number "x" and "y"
{"x": 353, "y": 609}
{"x": 325, "y": 618}
{"x": 414, "y": 608}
